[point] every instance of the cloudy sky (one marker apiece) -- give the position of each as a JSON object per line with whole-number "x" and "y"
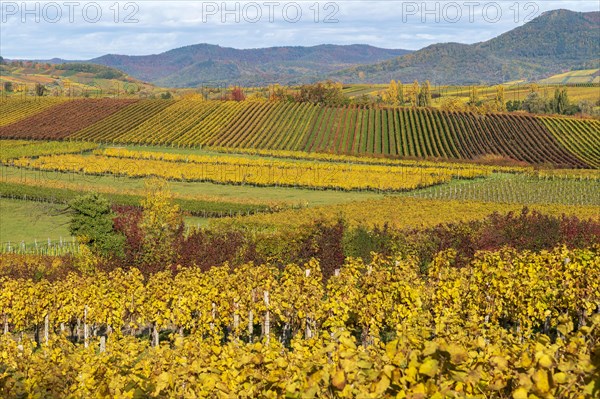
{"x": 85, "y": 29}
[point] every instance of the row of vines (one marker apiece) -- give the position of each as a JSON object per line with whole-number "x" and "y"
{"x": 372, "y": 330}
{"x": 355, "y": 130}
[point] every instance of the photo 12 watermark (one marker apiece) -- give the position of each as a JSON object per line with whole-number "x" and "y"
{"x": 270, "y": 11}
{"x": 468, "y": 11}
{"x": 69, "y": 12}
{"x": 254, "y": 12}
{"x": 251, "y": 12}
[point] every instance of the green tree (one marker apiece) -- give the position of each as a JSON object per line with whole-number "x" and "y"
{"x": 474, "y": 96}
{"x": 560, "y": 103}
{"x": 499, "y": 100}
{"x": 424, "y": 98}
{"x": 161, "y": 224}
{"x": 92, "y": 224}
{"x": 401, "y": 100}
{"x": 414, "y": 94}
{"x": 40, "y": 89}
{"x": 8, "y": 87}
{"x": 166, "y": 96}
{"x": 534, "y": 103}
{"x": 391, "y": 94}
{"x": 326, "y": 93}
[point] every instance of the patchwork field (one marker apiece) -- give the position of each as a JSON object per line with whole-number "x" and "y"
{"x": 355, "y": 227}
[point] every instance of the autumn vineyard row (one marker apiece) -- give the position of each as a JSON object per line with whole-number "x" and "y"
{"x": 354, "y": 130}
{"x": 229, "y": 169}
{"x": 509, "y": 325}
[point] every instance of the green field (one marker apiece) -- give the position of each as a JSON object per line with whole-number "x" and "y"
{"x": 26, "y": 221}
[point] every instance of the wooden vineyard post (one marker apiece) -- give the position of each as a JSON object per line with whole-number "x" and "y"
{"x": 46, "y": 328}
{"x": 78, "y": 330}
{"x": 102, "y": 344}
{"x": 308, "y": 332}
{"x": 155, "y": 336}
{"x": 5, "y": 324}
{"x": 267, "y": 331}
{"x": 251, "y": 320}
{"x": 85, "y": 327}
{"x": 236, "y": 319}
{"x": 213, "y": 313}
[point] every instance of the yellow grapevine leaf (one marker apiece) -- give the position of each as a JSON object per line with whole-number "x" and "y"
{"x": 540, "y": 378}
{"x": 545, "y": 361}
{"x": 429, "y": 368}
{"x": 339, "y": 380}
{"x": 520, "y": 393}
{"x": 560, "y": 378}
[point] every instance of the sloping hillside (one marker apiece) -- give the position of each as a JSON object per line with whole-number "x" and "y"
{"x": 551, "y": 43}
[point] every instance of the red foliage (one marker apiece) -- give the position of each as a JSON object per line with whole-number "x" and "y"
{"x": 324, "y": 243}
{"x": 127, "y": 222}
{"x": 237, "y": 94}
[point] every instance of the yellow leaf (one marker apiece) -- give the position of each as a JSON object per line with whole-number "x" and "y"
{"x": 339, "y": 380}
{"x": 382, "y": 385}
{"x": 429, "y": 367}
{"x": 458, "y": 354}
{"x": 560, "y": 378}
{"x": 540, "y": 378}
{"x": 520, "y": 393}
{"x": 525, "y": 360}
{"x": 545, "y": 361}
{"x": 499, "y": 362}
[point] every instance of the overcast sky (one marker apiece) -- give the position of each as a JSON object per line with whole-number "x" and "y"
{"x": 85, "y": 29}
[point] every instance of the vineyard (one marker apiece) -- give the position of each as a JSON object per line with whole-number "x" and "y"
{"x": 12, "y": 149}
{"x": 289, "y": 126}
{"x": 62, "y": 120}
{"x": 238, "y": 170}
{"x": 373, "y": 330}
{"x": 412, "y": 278}
{"x": 575, "y": 136}
{"x": 15, "y": 110}
{"x": 398, "y": 212}
{"x": 519, "y": 189}
{"x": 295, "y": 222}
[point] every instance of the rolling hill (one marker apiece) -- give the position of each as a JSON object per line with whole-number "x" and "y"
{"x": 552, "y": 43}
{"x": 76, "y": 79}
{"x": 209, "y": 64}
{"x": 583, "y": 76}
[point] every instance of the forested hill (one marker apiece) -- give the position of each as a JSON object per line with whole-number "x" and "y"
{"x": 552, "y": 43}
{"x": 209, "y": 64}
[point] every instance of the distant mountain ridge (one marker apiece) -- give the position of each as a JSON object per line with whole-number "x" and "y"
{"x": 210, "y": 64}
{"x": 552, "y": 43}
